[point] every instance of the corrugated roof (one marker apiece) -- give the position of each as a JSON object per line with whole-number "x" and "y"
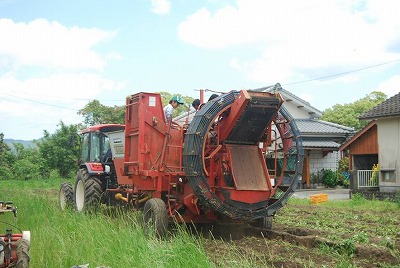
{"x": 315, "y": 126}
{"x": 390, "y": 107}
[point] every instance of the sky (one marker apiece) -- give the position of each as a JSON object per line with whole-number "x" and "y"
{"x": 56, "y": 56}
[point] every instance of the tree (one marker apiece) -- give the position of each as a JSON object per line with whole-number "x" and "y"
{"x": 60, "y": 151}
{"x": 95, "y": 113}
{"x": 6, "y": 156}
{"x": 6, "y": 159}
{"x": 347, "y": 114}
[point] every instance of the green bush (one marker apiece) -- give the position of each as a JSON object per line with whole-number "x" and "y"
{"x": 5, "y": 173}
{"x": 25, "y": 170}
{"x": 329, "y": 178}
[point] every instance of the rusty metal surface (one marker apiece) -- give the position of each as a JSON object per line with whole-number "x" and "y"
{"x": 248, "y": 168}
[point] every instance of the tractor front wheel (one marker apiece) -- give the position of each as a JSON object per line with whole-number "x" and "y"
{"x": 66, "y": 195}
{"x": 155, "y": 217}
{"x": 88, "y": 192}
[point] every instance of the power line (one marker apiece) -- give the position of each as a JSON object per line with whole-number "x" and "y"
{"x": 339, "y": 74}
{"x": 43, "y": 103}
{"x": 287, "y": 84}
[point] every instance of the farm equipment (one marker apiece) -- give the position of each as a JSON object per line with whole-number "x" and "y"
{"x": 14, "y": 247}
{"x": 240, "y": 157}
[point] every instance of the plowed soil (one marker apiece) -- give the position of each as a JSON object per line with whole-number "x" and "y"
{"x": 310, "y": 236}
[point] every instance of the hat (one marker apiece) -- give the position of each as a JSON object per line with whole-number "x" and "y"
{"x": 177, "y": 99}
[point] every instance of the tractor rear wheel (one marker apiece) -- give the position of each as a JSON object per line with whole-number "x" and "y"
{"x": 88, "y": 192}
{"x": 66, "y": 195}
{"x": 23, "y": 257}
{"x": 155, "y": 217}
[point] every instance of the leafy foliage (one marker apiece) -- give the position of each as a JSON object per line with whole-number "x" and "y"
{"x": 329, "y": 178}
{"x": 343, "y": 172}
{"x": 95, "y": 113}
{"x": 348, "y": 114}
{"x": 59, "y": 151}
{"x": 6, "y": 156}
{"x": 24, "y": 169}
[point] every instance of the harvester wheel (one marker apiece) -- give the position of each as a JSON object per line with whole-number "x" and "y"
{"x": 23, "y": 254}
{"x": 66, "y": 195}
{"x": 88, "y": 192}
{"x": 155, "y": 217}
{"x": 266, "y": 223}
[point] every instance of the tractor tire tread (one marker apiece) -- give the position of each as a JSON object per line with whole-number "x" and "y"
{"x": 68, "y": 195}
{"x": 155, "y": 216}
{"x": 23, "y": 254}
{"x": 93, "y": 190}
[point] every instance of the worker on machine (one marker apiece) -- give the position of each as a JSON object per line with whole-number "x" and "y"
{"x": 196, "y": 104}
{"x": 169, "y": 108}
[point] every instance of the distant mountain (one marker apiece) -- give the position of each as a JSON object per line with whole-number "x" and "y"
{"x": 10, "y": 142}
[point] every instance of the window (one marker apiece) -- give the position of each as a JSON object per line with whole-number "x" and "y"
{"x": 85, "y": 147}
{"x": 388, "y": 174}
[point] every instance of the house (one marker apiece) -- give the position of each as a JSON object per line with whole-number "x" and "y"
{"x": 387, "y": 116}
{"x": 362, "y": 150}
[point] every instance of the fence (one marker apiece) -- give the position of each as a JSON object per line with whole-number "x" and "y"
{"x": 367, "y": 179}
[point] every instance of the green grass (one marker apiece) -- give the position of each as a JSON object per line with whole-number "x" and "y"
{"x": 116, "y": 239}
{"x": 64, "y": 239}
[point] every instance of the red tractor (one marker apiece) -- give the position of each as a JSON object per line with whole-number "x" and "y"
{"x": 240, "y": 156}
{"x": 14, "y": 247}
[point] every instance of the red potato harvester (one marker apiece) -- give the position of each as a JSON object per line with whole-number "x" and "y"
{"x": 240, "y": 156}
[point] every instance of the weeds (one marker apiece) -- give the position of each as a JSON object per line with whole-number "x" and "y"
{"x": 357, "y": 199}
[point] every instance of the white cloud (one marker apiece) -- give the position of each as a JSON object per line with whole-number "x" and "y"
{"x": 50, "y": 44}
{"x": 40, "y": 103}
{"x": 161, "y": 7}
{"x": 390, "y": 87}
{"x": 306, "y": 38}
{"x": 57, "y": 57}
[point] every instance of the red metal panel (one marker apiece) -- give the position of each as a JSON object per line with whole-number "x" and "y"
{"x": 152, "y": 150}
{"x": 119, "y": 168}
{"x": 237, "y": 109}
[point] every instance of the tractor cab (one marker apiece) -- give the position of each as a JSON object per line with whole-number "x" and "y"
{"x": 96, "y": 144}
{"x": 98, "y": 165}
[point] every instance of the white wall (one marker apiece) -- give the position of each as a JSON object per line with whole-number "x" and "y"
{"x": 318, "y": 161}
{"x": 297, "y": 113}
{"x": 389, "y": 152}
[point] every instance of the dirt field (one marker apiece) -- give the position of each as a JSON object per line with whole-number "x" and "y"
{"x": 312, "y": 236}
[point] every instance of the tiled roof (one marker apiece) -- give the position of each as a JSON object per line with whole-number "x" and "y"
{"x": 300, "y": 101}
{"x": 390, "y": 107}
{"x": 315, "y": 126}
{"x": 310, "y": 142}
